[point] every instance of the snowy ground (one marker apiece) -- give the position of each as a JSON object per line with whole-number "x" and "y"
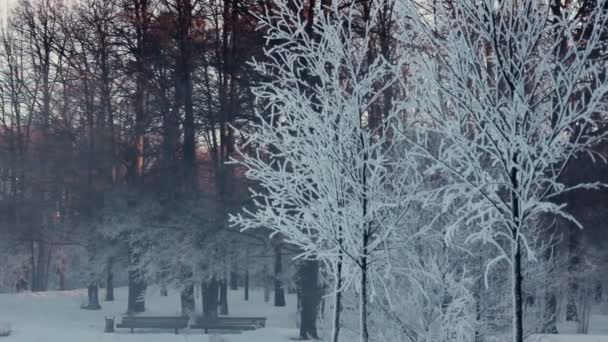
{"x": 55, "y": 316}
{"x": 598, "y": 331}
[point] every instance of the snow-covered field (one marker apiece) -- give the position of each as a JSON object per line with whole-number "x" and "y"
{"x": 598, "y": 331}
{"x": 568, "y": 338}
{"x": 55, "y": 316}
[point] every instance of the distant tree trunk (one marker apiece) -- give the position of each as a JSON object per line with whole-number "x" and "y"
{"x": 550, "y": 310}
{"x": 204, "y": 296}
{"x": 136, "y": 301}
{"x": 584, "y": 310}
{"x": 40, "y": 261}
{"x": 110, "y": 281}
{"x": 93, "y": 295}
{"x": 210, "y": 298}
{"x": 234, "y": 278}
{"x": 187, "y": 300}
{"x": 246, "y": 286}
{"x": 223, "y": 297}
{"x": 310, "y": 298}
{"x": 266, "y": 281}
{"x": 62, "y": 279}
{"x": 279, "y": 291}
{"x": 163, "y": 290}
{"x": 573, "y": 264}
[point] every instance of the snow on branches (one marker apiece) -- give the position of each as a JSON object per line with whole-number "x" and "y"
{"x": 329, "y": 180}
{"x": 515, "y": 90}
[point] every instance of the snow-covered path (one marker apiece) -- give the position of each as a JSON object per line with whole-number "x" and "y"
{"x": 55, "y": 316}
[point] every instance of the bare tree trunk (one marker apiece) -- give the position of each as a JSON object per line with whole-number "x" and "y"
{"x": 61, "y": 273}
{"x": 584, "y": 311}
{"x": 187, "y": 300}
{"x": 573, "y": 265}
{"x": 310, "y": 297}
{"x": 137, "y": 287}
{"x": 210, "y": 298}
{"x": 110, "y": 280}
{"x": 246, "y": 286}
{"x": 518, "y": 335}
{"x": 234, "y": 278}
{"x": 550, "y": 309}
{"x": 267, "y": 284}
{"x": 335, "y": 335}
{"x": 93, "y": 296}
{"x": 363, "y": 301}
{"x": 279, "y": 291}
{"x": 223, "y": 297}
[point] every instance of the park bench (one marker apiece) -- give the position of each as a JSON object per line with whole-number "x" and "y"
{"x": 154, "y": 322}
{"x": 228, "y": 323}
{"x": 260, "y": 322}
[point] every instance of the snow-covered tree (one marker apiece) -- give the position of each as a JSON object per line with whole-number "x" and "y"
{"x": 514, "y": 90}
{"x": 329, "y": 181}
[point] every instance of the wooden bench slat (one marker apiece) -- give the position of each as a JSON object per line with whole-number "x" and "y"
{"x": 156, "y": 322}
{"x": 233, "y": 327}
{"x": 258, "y": 321}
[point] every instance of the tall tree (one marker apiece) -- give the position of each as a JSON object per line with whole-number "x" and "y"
{"x": 509, "y": 127}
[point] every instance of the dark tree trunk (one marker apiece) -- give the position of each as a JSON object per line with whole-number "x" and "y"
{"x": 518, "y": 308}
{"x": 210, "y": 298}
{"x": 204, "y": 296}
{"x": 279, "y": 291}
{"x": 223, "y": 297}
{"x": 310, "y": 297}
{"x": 518, "y": 331}
{"x": 573, "y": 264}
{"x": 93, "y": 296}
{"x": 234, "y": 278}
{"x": 137, "y": 287}
{"x": 62, "y": 279}
{"x": 363, "y": 296}
{"x": 246, "y": 285}
{"x": 110, "y": 281}
{"x": 163, "y": 291}
{"x": 187, "y": 300}
{"x": 550, "y": 314}
{"x": 267, "y": 281}
{"x": 549, "y": 324}
{"x": 41, "y": 254}
{"x": 337, "y": 300}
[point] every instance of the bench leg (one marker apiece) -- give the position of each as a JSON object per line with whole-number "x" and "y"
{"x": 131, "y": 330}
{"x": 176, "y": 331}
{"x": 206, "y": 331}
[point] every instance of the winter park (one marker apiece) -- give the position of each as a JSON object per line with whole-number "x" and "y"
{"x": 326, "y": 170}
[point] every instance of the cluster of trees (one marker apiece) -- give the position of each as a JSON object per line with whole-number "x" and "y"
{"x": 428, "y": 164}
{"x": 114, "y": 132}
{"x": 457, "y": 151}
